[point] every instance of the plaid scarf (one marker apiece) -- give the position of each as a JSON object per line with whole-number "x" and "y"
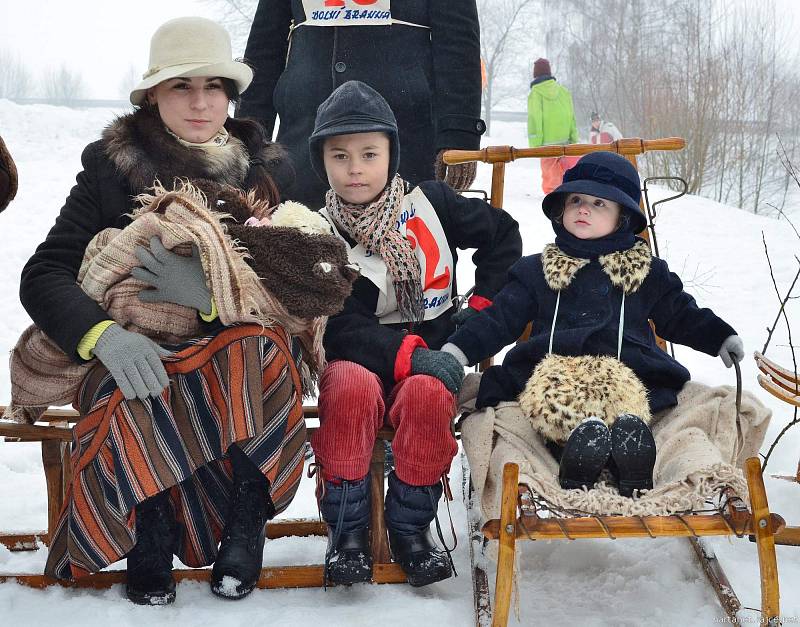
{"x": 375, "y": 226}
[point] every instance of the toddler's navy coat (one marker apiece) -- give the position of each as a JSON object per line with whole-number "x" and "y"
{"x": 587, "y": 324}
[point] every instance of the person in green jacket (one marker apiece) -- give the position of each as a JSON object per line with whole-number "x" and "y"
{"x": 551, "y": 120}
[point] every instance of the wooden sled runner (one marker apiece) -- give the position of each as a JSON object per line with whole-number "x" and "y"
{"x": 525, "y": 517}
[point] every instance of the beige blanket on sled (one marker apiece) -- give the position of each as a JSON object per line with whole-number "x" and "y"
{"x": 42, "y": 375}
{"x": 700, "y": 450}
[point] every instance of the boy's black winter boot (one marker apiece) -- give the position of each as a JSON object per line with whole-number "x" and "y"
{"x": 633, "y": 451}
{"x": 149, "y": 570}
{"x": 585, "y": 454}
{"x": 238, "y": 564}
{"x": 345, "y": 508}
{"x": 409, "y": 512}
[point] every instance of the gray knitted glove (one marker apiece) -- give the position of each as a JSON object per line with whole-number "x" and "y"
{"x": 460, "y": 317}
{"x": 177, "y": 279}
{"x": 732, "y": 347}
{"x": 134, "y": 361}
{"x": 437, "y": 364}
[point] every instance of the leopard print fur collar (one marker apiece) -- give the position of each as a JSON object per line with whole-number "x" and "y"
{"x": 627, "y": 269}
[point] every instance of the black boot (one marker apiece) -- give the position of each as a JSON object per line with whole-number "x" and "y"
{"x": 345, "y": 508}
{"x": 409, "y": 512}
{"x": 149, "y": 571}
{"x": 585, "y": 455}
{"x": 238, "y": 564}
{"x": 633, "y": 451}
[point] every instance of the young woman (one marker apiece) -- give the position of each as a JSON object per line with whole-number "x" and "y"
{"x": 153, "y": 474}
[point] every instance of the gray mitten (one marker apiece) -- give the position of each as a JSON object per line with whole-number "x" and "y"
{"x": 732, "y": 348}
{"x": 460, "y": 317}
{"x": 134, "y": 361}
{"x": 437, "y": 364}
{"x": 177, "y": 279}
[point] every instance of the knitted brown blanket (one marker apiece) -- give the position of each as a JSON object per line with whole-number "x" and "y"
{"x": 42, "y": 375}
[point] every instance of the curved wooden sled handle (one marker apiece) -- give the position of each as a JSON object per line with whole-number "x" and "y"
{"x": 626, "y": 146}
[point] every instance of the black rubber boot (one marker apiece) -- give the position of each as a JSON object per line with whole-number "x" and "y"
{"x": 633, "y": 451}
{"x": 149, "y": 570}
{"x": 238, "y": 564}
{"x": 585, "y": 455}
{"x": 409, "y": 512}
{"x": 345, "y": 508}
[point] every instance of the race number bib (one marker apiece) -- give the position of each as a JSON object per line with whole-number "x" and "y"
{"x": 347, "y": 12}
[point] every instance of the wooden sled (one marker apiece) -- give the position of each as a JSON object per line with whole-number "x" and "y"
{"x": 54, "y": 432}
{"x": 784, "y": 385}
{"x": 520, "y": 519}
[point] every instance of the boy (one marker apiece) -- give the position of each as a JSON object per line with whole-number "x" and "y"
{"x": 382, "y": 347}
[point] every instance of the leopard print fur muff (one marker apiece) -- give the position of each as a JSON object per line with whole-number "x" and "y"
{"x": 562, "y": 391}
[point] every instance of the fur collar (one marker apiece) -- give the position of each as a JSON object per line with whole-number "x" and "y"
{"x": 142, "y": 150}
{"x": 627, "y": 269}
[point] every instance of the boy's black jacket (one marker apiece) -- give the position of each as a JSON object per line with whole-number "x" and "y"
{"x": 356, "y": 335}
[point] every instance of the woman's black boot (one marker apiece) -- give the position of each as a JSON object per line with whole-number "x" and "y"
{"x": 585, "y": 455}
{"x": 633, "y": 451}
{"x": 345, "y": 508}
{"x": 238, "y": 564}
{"x": 149, "y": 570}
{"x": 409, "y": 513}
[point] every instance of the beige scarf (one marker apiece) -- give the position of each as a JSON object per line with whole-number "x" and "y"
{"x": 219, "y": 139}
{"x": 42, "y": 375}
{"x": 375, "y": 227}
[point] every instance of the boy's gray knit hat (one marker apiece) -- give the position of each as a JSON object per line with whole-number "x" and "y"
{"x": 353, "y": 107}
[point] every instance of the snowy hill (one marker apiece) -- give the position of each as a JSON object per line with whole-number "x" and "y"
{"x": 717, "y": 249}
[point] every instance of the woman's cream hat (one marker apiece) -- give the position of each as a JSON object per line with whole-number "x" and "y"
{"x": 191, "y": 46}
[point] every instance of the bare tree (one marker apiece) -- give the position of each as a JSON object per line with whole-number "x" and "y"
{"x": 237, "y": 17}
{"x": 15, "y": 78}
{"x": 719, "y": 74}
{"x": 504, "y": 24}
{"x": 63, "y": 85}
{"x": 129, "y": 80}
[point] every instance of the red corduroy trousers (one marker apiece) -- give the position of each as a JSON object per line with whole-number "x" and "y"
{"x": 352, "y": 407}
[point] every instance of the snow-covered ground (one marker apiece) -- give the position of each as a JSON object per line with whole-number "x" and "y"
{"x": 633, "y": 582}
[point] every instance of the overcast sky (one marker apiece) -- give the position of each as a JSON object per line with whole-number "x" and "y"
{"x": 100, "y": 38}
{"x": 104, "y": 39}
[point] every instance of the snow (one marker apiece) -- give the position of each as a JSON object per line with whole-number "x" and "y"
{"x": 598, "y": 582}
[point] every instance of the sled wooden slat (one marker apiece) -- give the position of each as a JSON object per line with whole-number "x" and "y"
{"x": 271, "y": 577}
{"x": 34, "y": 433}
{"x": 615, "y": 527}
{"x": 778, "y": 391}
{"x": 789, "y": 536}
{"x": 776, "y": 371}
{"x": 503, "y": 154}
{"x": 22, "y": 541}
{"x": 301, "y": 527}
{"x": 281, "y": 528}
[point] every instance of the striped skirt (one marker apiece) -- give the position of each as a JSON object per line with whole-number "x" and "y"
{"x": 241, "y": 385}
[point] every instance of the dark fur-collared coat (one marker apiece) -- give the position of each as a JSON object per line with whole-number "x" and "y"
{"x": 588, "y": 319}
{"x": 134, "y": 151}
{"x": 429, "y": 74}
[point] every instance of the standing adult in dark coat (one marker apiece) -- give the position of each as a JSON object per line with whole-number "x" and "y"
{"x": 424, "y": 59}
